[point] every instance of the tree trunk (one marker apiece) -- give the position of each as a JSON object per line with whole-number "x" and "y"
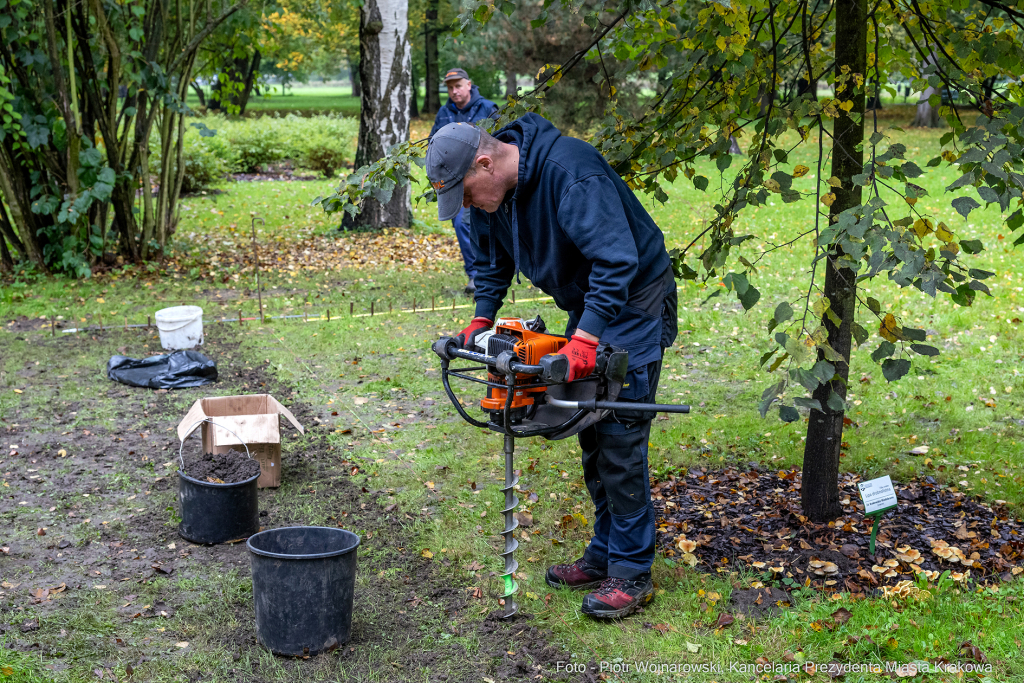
{"x": 819, "y": 490}
{"x": 15, "y": 189}
{"x": 432, "y": 100}
{"x": 385, "y": 64}
{"x": 353, "y": 77}
{"x": 803, "y": 87}
{"x": 414, "y": 109}
{"x": 250, "y": 80}
{"x": 199, "y": 93}
{"x": 511, "y": 89}
{"x": 6, "y": 262}
{"x": 927, "y": 116}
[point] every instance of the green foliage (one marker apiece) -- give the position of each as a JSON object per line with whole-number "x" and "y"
{"x": 255, "y": 147}
{"x": 724, "y": 73}
{"x": 327, "y": 154}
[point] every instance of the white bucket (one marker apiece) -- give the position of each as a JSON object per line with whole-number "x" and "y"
{"x": 181, "y": 327}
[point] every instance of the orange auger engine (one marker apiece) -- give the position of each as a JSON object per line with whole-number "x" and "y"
{"x": 512, "y": 334}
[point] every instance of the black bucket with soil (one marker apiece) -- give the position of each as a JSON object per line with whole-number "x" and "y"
{"x": 218, "y": 496}
{"x": 303, "y": 579}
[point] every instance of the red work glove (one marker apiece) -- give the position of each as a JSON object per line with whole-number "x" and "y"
{"x": 582, "y": 354}
{"x": 467, "y": 338}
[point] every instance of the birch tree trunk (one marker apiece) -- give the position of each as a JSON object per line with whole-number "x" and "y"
{"x": 927, "y": 116}
{"x": 385, "y": 68}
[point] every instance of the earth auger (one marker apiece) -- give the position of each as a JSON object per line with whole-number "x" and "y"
{"x": 527, "y": 396}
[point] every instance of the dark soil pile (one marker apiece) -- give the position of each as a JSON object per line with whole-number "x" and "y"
{"x": 221, "y": 468}
{"x": 753, "y": 518}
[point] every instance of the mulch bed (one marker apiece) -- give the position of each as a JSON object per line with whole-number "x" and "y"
{"x": 752, "y": 519}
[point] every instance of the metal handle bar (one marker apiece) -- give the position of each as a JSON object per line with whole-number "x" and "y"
{"x": 594, "y": 405}
{"x": 193, "y": 428}
{"x": 447, "y": 348}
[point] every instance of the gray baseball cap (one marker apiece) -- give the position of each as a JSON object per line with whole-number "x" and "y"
{"x": 452, "y": 74}
{"x": 450, "y": 153}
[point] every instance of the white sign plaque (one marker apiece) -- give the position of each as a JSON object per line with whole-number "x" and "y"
{"x": 877, "y": 494}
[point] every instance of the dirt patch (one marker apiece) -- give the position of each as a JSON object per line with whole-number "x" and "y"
{"x": 753, "y": 517}
{"x": 221, "y": 468}
{"x": 102, "y": 492}
{"x": 759, "y": 603}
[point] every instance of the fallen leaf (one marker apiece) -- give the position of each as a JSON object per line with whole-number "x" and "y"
{"x": 359, "y": 400}
{"x": 525, "y": 519}
{"x": 182, "y": 644}
{"x": 692, "y": 647}
{"x": 426, "y": 553}
{"x": 908, "y": 670}
{"x": 724, "y": 620}
{"x": 842, "y": 615}
{"x": 474, "y": 566}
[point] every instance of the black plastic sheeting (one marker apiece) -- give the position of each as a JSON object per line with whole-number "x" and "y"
{"x": 178, "y": 370}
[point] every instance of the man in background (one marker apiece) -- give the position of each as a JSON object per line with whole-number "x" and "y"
{"x": 465, "y": 105}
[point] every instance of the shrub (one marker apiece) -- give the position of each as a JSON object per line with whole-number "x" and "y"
{"x": 206, "y": 158}
{"x": 326, "y": 155}
{"x": 203, "y": 163}
{"x": 254, "y": 147}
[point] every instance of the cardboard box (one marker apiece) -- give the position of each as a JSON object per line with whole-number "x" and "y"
{"x": 250, "y": 419}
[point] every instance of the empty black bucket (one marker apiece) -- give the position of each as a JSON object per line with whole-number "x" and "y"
{"x": 303, "y": 578}
{"x": 216, "y": 513}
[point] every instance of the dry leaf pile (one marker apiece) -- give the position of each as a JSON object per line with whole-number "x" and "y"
{"x": 284, "y": 253}
{"x": 753, "y": 518}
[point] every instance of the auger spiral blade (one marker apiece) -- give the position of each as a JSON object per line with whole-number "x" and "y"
{"x": 511, "y": 524}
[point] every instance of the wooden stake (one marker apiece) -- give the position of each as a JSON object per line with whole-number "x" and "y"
{"x": 149, "y": 324}
{"x": 328, "y": 315}
{"x": 53, "y": 329}
{"x": 239, "y": 317}
{"x": 100, "y": 316}
{"x": 256, "y": 257}
{"x": 513, "y": 296}
{"x": 390, "y": 308}
{"x": 351, "y": 307}
{"x": 414, "y": 305}
{"x": 453, "y": 304}
{"x": 431, "y": 304}
{"x": 371, "y": 309}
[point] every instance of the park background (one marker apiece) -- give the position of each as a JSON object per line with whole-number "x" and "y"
{"x": 89, "y": 517}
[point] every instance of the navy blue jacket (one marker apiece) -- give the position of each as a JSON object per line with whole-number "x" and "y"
{"x": 575, "y": 229}
{"x": 477, "y": 109}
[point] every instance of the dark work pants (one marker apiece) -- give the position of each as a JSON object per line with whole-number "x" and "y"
{"x": 615, "y": 471}
{"x": 462, "y": 232}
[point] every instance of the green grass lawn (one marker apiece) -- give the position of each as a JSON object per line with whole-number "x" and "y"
{"x": 297, "y": 98}
{"x": 376, "y": 382}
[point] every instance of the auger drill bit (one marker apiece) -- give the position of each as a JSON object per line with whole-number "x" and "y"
{"x": 511, "y": 524}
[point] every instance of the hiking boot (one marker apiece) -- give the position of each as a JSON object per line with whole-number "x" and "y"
{"x": 470, "y": 289}
{"x": 579, "y": 575}
{"x": 618, "y": 598}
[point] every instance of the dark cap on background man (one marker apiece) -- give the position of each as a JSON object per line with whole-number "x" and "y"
{"x": 452, "y": 74}
{"x": 451, "y": 152}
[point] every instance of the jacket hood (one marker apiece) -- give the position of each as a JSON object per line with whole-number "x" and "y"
{"x": 534, "y": 136}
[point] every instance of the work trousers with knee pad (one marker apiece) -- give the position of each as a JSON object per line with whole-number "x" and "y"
{"x": 615, "y": 472}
